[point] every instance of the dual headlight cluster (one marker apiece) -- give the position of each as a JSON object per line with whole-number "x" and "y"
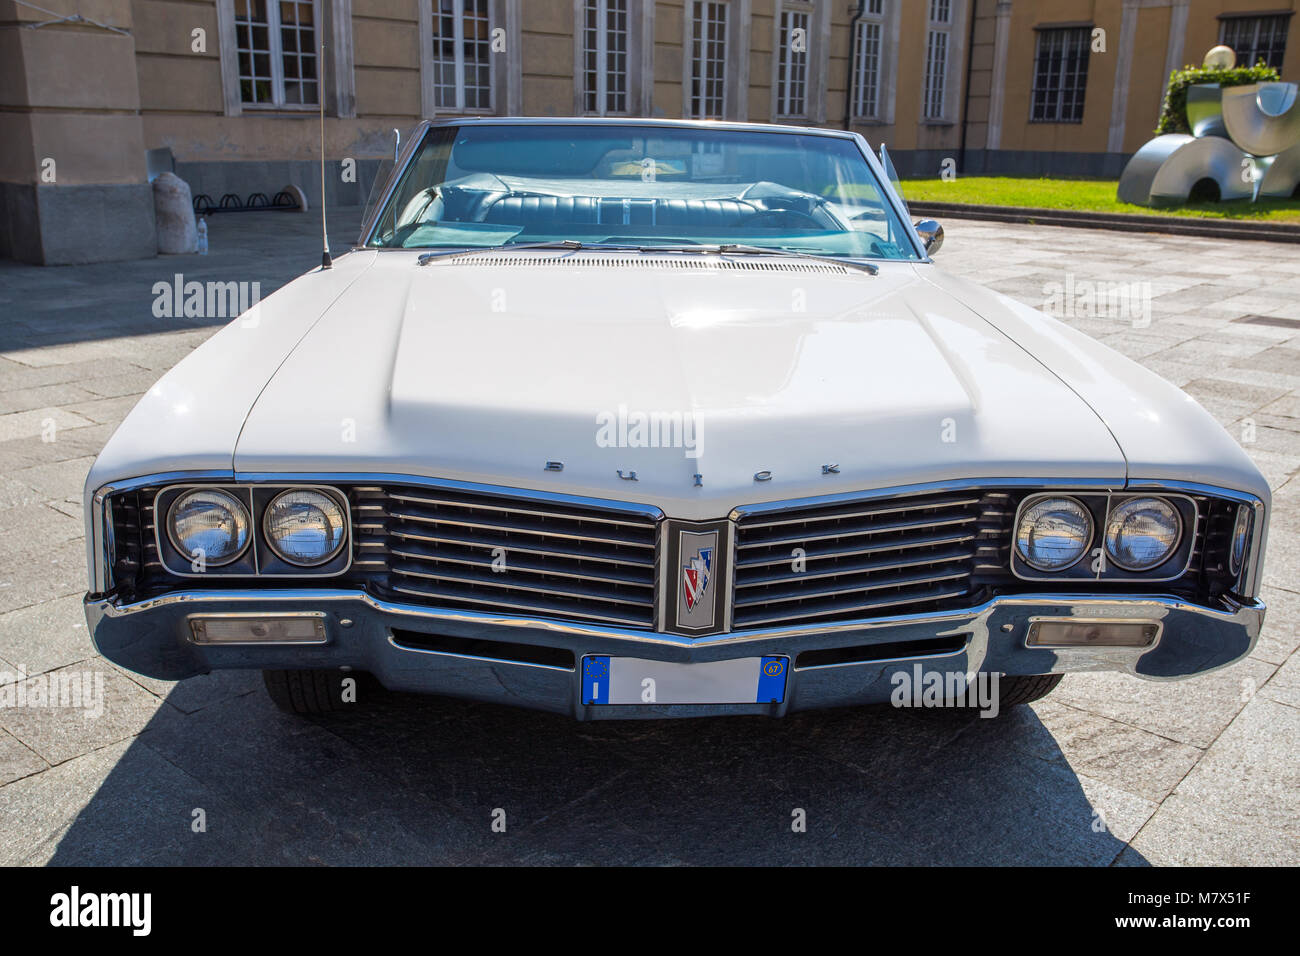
{"x": 302, "y": 527}
{"x": 1139, "y": 533}
{"x": 1053, "y": 534}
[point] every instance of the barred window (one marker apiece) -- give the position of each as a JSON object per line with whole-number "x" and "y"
{"x": 792, "y": 64}
{"x": 866, "y": 68}
{"x": 936, "y": 73}
{"x": 277, "y": 51}
{"x": 604, "y": 56}
{"x": 1255, "y": 38}
{"x": 708, "y": 59}
{"x": 1060, "y": 75}
{"x": 462, "y": 55}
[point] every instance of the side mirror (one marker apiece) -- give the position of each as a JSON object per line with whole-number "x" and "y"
{"x": 931, "y": 234}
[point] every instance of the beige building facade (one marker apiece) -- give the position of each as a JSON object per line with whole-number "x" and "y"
{"x": 95, "y": 95}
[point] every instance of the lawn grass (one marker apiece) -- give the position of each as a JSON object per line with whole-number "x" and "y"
{"x": 1084, "y": 195}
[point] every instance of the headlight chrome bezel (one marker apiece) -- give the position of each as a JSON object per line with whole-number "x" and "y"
{"x": 1034, "y": 501}
{"x": 1126, "y": 502}
{"x": 239, "y": 510}
{"x": 269, "y": 538}
{"x": 1243, "y": 527}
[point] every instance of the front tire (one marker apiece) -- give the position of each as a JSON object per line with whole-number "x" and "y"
{"x": 308, "y": 692}
{"x": 1014, "y": 690}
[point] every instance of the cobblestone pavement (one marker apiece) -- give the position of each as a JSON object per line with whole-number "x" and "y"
{"x": 1201, "y": 771}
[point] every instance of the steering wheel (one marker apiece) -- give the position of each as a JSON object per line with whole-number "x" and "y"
{"x": 785, "y": 218}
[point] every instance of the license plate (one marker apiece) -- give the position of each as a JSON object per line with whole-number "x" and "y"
{"x": 630, "y": 680}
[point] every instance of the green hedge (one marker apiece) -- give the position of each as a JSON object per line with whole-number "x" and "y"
{"x": 1173, "y": 113}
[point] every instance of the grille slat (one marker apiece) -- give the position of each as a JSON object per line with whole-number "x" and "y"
{"x": 800, "y": 593}
{"x": 512, "y": 509}
{"x": 838, "y": 570}
{"x": 827, "y": 534}
{"x": 532, "y": 565}
{"x": 605, "y": 555}
{"x": 819, "y": 554}
{"x": 857, "y": 559}
{"x": 521, "y": 555}
{"x": 854, "y": 608}
{"x": 519, "y": 527}
{"x": 559, "y": 609}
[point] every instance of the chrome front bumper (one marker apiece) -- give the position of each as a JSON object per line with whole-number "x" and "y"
{"x": 838, "y": 664}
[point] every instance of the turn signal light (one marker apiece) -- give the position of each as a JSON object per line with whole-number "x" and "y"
{"x": 1075, "y": 633}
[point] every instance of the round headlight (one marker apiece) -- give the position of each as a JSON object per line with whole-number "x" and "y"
{"x": 209, "y": 524}
{"x": 304, "y": 527}
{"x": 1141, "y": 533}
{"x": 1240, "y": 537}
{"x": 1053, "y": 533}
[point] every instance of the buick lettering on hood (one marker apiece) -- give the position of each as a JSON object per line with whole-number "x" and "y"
{"x": 641, "y": 418}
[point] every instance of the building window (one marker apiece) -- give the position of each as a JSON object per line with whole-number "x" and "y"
{"x": 936, "y": 59}
{"x": 1060, "y": 75}
{"x": 462, "y": 55}
{"x": 604, "y": 56}
{"x": 276, "y": 48}
{"x": 866, "y": 68}
{"x": 792, "y": 64}
{"x": 1255, "y": 38}
{"x": 708, "y": 59}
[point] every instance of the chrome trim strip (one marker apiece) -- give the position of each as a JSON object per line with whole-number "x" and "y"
{"x": 899, "y": 491}
{"x": 475, "y": 657}
{"x": 394, "y": 177}
{"x": 1120, "y": 605}
{"x": 101, "y": 574}
{"x": 374, "y": 481}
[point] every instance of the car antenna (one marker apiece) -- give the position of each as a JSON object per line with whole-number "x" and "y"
{"x": 325, "y": 262}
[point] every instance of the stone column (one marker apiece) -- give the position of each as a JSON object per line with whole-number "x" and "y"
{"x": 73, "y": 181}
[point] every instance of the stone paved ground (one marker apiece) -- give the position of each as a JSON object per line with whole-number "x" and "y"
{"x": 1203, "y": 771}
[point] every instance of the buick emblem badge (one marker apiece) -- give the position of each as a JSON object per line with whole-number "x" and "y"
{"x": 696, "y": 590}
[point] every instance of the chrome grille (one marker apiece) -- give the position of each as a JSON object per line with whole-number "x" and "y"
{"x": 865, "y": 558}
{"x": 515, "y": 555}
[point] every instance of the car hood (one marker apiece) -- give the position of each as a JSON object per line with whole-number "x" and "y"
{"x": 786, "y": 382}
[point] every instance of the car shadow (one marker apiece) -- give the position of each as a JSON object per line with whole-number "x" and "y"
{"x": 44, "y": 306}
{"x": 409, "y": 779}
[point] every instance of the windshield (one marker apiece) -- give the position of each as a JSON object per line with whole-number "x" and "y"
{"x": 492, "y": 185}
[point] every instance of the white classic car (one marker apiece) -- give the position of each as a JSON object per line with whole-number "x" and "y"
{"x": 642, "y": 418}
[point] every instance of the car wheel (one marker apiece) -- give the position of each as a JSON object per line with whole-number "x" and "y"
{"x": 308, "y": 692}
{"x": 1016, "y": 689}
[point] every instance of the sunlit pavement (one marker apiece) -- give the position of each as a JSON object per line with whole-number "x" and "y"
{"x": 1107, "y": 770}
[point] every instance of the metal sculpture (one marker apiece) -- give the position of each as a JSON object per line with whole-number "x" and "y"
{"x": 1245, "y": 140}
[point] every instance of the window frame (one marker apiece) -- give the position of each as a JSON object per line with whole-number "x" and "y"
{"x": 874, "y": 15}
{"x": 784, "y": 62}
{"x": 1057, "y": 112}
{"x": 1282, "y": 17}
{"x": 430, "y": 62}
{"x": 696, "y": 11}
{"x": 602, "y": 73}
{"x": 934, "y": 78}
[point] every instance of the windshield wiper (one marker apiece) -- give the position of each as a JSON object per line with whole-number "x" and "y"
{"x": 728, "y": 248}
{"x": 571, "y": 244}
{"x": 732, "y": 248}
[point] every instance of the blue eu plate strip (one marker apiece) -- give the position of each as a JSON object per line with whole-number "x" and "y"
{"x": 771, "y": 680}
{"x": 595, "y": 680}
